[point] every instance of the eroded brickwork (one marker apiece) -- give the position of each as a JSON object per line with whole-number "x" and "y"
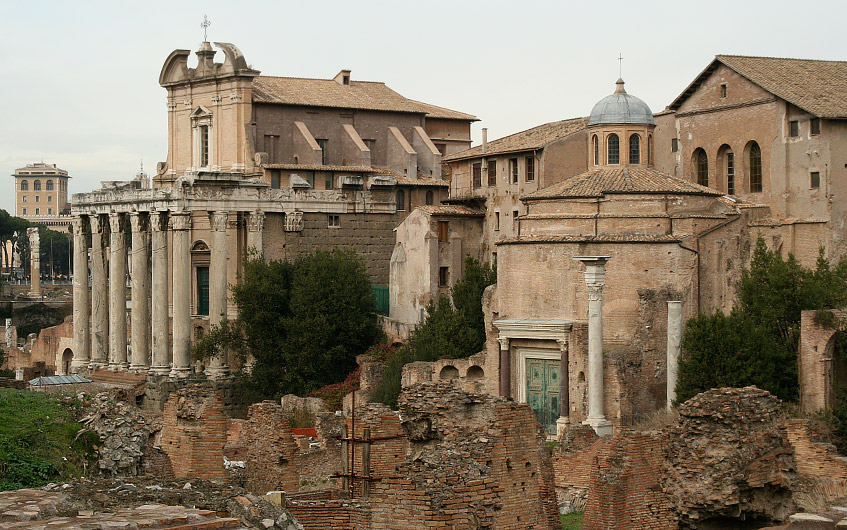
{"x": 270, "y": 449}
{"x": 815, "y": 459}
{"x": 194, "y": 433}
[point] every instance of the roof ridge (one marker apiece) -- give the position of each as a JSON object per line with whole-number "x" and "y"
{"x": 352, "y": 81}
{"x": 779, "y": 58}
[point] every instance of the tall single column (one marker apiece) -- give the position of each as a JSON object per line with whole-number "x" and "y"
{"x": 595, "y": 279}
{"x": 159, "y": 226}
{"x": 218, "y": 365}
{"x": 674, "y": 340}
{"x": 117, "y": 293}
{"x": 99, "y": 293}
{"x": 255, "y": 229}
{"x": 140, "y": 318}
{"x": 564, "y": 388}
{"x": 181, "y": 224}
{"x": 81, "y": 342}
{"x": 505, "y": 368}
{"x": 35, "y": 262}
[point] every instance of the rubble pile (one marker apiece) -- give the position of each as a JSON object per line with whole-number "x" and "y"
{"x": 729, "y": 456}
{"x": 123, "y": 432}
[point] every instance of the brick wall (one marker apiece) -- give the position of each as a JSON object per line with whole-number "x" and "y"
{"x": 270, "y": 449}
{"x": 194, "y": 433}
{"x": 815, "y": 362}
{"x": 573, "y": 460}
{"x": 389, "y": 445}
{"x": 815, "y": 459}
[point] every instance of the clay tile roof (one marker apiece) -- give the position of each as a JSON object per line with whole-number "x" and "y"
{"x": 423, "y": 182}
{"x": 452, "y": 210}
{"x": 603, "y": 238}
{"x": 365, "y": 95}
{"x": 601, "y": 181}
{"x": 319, "y": 167}
{"x": 535, "y": 138}
{"x": 818, "y": 87}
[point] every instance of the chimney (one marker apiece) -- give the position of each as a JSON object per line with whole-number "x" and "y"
{"x": 342, "y": 77}
{"x": 484, "y": 140}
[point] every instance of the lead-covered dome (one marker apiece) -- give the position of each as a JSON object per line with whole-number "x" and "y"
{"x": 620, "y": 107}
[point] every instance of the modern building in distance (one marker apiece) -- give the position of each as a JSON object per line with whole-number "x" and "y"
{"x": 41, "y": 195}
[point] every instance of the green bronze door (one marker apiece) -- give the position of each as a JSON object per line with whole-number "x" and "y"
{"x": 542, "y": 390}
{"x": 203, "y": 291}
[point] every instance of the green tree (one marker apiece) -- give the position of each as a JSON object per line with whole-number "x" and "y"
{"x": 467, "y": 297}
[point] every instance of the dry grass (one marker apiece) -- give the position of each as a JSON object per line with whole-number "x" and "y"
{"x": 656, "y": 421}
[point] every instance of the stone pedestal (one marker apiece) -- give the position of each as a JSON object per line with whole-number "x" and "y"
{"x": 595, "y": 274}
{"x": 99, "y": 294}
{"x": 140, "y": 317}
{"x": 160, "y": 302}
{"x": 81, "y": 343}
{"x": 674, "y": 341}
{"x": 218, "y": 367}
{"x": 35, "y": 262}
{"x": 117, "y": 294}
{"x": 181, "y": 225}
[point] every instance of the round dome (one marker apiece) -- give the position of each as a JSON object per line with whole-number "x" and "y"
{"x": 621, "y": 107}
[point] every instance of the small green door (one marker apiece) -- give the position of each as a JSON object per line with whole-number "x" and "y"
{"x": 203, "y": 291}
{"x": 542, "y": 390}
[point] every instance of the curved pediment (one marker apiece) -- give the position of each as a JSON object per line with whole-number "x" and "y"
{"x": 175, "y": 67}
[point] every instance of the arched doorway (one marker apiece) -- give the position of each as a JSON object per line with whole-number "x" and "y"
{"x": 67, "y": 357}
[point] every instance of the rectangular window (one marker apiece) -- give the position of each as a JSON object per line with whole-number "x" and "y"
{"x": 204, "y": 146}
{"x": 49, "y": 211}
{"x": 322, "y": 144}
{"x": 49, "y": 198}
{"x": 496, "y": 220}
{"x": 38, "y": 211}
{"x": 310, "y": 178}
{"x": 513, "y": 169}
{"x": 730, "y": 173}
{"x": 275, "y": 180}
{"x": 530, "y": 169}
{"x": 328, "y": 181}
{"x": 38, "y": 198}
{"x": 492, "y": 172}
{"x": 443, "y": 276}
{"x": 674, "y": 145}
{"x": 202, "y": 290}
{"x": 477, "y": 175}
{"x": 443, "y": 231}
{"x": 814, "y": 126}
{"x": 723, "y": 90}
{"x": 333, "y": 221}
{"x": 515, "y": 227}
{"x": 793, "y": 128}
{"x": 23, "y": 198}
{"x": 815, "y": 180}
{"x": 24, "y": 211}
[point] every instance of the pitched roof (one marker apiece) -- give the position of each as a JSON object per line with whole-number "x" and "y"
{"x": 818, "y": 87}
{"x": 319, "y": 167}
{"x": 601, "y": 181}
{"x": 602, "y": 238}
{"x": 365, "y": 95}
{"x": 423, "y": 182}
{"x": 535, "y": 138}
{"x": 452, "y": 210}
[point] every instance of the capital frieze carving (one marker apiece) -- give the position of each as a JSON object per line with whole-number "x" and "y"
{"x": 99, "y": 224}
{"x": 255, "y": 221}
{"x": 181, "y": 221}
{"x": 595, "y": 293}
{"x": 79, "y": 226}
{"x": 563, "y": 344}
{"x": 138, "y": 222}
{"x": 294, "y": 222}
{"x": 159, "y": 221}
{"x": 504, "y": 343}
{"x": 217, "y": 221}
{"x": 116, "y": 222}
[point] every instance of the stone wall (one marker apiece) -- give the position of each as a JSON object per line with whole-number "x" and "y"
{"x": 270, "y": 449}
{"x": 194, "y": 433}
{"x": 573, "y": 461}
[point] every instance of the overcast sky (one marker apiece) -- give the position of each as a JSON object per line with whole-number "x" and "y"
{"x": 80, "y": 79}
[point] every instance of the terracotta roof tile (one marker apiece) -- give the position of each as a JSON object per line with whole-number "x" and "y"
{"x": 600, "y": 181}
{"x": 607, "y": 238}
{"x": 535, "y": 138}
{"x": 318, "y": 167}
{"x": 423, "y": 182}
{"x": 453, "y": 210}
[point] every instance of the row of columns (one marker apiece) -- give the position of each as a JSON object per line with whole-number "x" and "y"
{"x": 102, "y": 343}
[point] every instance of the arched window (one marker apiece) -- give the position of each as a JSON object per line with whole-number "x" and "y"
{"x": 650, "y": 150}
{"x": 614, "y": 150}
{"x": 755, "y": 165}
{"x": 429, "y": 198}
{"x": 634, "y": 149}
{"x": 24, "y": 185}
{"x": 596, "y": 150}
{"x": 726, "y": 165}
{"x": 401, "y": 201}
{"x": 701, "y": 166}
{"x": 36, "y": 185}
{"x": 49, "y": 185}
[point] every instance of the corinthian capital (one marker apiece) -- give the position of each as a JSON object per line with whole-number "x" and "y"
{"x": 217, "y": 221}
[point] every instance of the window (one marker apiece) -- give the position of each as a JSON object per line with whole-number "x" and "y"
{"x": 36, "y": 185}
{"x": 24, "y": 211}
{"x": 24, "y": 185}
{"x": 755, "y": 164}
{"x": 650, "y": 150}
{"x": 202, "y": 290}
{"x": 530, "y": 169}
{"x": 723, "y": 90}
{"x": 49, "y": 211}
{"x": 477, "y": 174}
{"x": 38, "y": 198}
{"x": 793, "y": 128}
{"x": 515, "y": 226}
{"x": 815, "y": 180}
{"x": 49, "y": 198}
{"x": 204, "y": 146}
{"x": 49, "y": 185}
{"x": 443, "y": 276}
{"x": 429, "y": 198}
{"x": 275, "y": 180}
{"x": 674, "y": 145}
{"x": 492, "y": 172}
{"x": 613, "y": 153}
{"x": 23, "y": 198}
{"x": 333, "y": 221}
{"x": 513, "y": 169}
{"x": 443, "y": 231}
{"x": 38, "y": 211}
{"x": 496, "y": 220}
{"x": 328, "y": 180}
{"x": 814, "y": 126}
{"x": 730, "y": 173}
{"x": 596, "y": 143}
{"x": 634, "y": 149}
{"x": 401, "y": 201}
{"x": 310, "y": 178}
{"x": 322, "y": 145}
{"x": 701, "y": 166}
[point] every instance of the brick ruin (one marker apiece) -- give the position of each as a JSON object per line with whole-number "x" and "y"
{"x": 194, "y": 433}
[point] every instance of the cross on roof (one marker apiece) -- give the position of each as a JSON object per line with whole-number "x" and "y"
{"x": 620, "y": 65}
{"x": 205, "y": 24}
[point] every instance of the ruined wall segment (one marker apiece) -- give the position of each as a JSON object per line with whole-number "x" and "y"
{"x": 194, "y": 433}
{"x": 270, "y": 449}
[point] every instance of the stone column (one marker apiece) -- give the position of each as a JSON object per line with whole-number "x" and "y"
{"x": 161, "y": 319}
{"x": 595, "y": 274}
{"x": 99, "y": 294}
{"x": 218, "y": 366}
{"x": 117, "y": 293}
{"x": 255, "y": 227}
{"x": 181, "y": 224}
{"x": 81, "y": 343}
{"x": 35, "y": 262}
{"x": 140, "y": 318}
{"x": 505, "y": 368}
{"x": 564, "y": 388}
{"x": 674, "y": 340}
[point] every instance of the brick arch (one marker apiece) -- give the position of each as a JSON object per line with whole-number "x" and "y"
{"x": 816, "y": 361}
